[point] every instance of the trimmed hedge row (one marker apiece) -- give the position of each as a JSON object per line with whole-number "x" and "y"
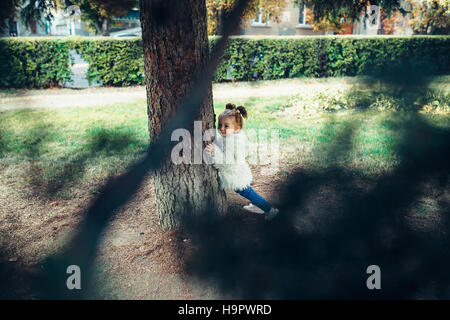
{"x": 33, "y": 62}
{"x": 250, "y": 58}
{"x": 45, "y": 62}
{"x": 113, "y": 62}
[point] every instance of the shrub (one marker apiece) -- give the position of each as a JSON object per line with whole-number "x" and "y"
{"x": 257, "y": 58}
{"x": 113, "y": 62}
{"x": 33, "y": 62}
{"x": 44, "y": 62}
{"x": 384, "y": 98}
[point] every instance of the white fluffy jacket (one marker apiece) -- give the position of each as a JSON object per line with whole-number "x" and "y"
{"x": 229, "y": 158}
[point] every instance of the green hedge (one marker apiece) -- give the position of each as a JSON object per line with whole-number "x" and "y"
{"x": 33, "y": 62}
{"x": 257, "y": 58}
{"x": 44, "y": 62}
{"x": 113, "y": 62}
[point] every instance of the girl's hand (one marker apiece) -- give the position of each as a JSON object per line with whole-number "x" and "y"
{"x": 210, "y": 148}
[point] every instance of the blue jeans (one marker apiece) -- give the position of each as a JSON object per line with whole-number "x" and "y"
{"x": 255, "y": 198}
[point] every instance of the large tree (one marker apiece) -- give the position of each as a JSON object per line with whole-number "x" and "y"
{"x": 175, "y": 50}
{"x": 175, "y": 44}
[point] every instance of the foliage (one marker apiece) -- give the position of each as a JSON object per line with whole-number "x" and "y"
{"x": 350, "y": 10}
{"x": 340, "y": 97}
{"x": 430, "y": 16}
{"x": 119, "y": 62}
{"x": 98, "y": 13}
{"x": 215, "y": 8}
{"x": 114, "y": 62}
{"x": 326, "y": 22}
{"x": 35, "y": 12}
{"x": 269, "y": 58}
{"x": 424, "y": 17}
{"x": 33, "y": 63}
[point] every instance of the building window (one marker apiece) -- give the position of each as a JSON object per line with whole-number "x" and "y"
{"x": 302, "y": 14}
{"x": 259, "y": 20}
{"x": 302, "y": 21}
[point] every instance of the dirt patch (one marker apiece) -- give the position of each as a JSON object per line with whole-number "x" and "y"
{"x": 136, "y": 260}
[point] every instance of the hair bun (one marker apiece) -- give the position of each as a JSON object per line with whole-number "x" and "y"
{"x": 242, "y": 111}
{"x": 230, "y": 106}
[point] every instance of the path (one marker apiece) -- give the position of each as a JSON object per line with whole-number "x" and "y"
{"x": 62, "y": 98}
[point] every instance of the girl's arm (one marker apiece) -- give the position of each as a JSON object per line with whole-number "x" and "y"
{"x": 235, "y": 149}
{"x": 218, "y": 156}
{"x": 214, "y": 150}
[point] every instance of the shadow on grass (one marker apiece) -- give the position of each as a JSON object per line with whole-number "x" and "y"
{"x": 101, "y": 143}
{"x": 49, "y": 178}
{"x": 32, "y": 140}
{"x": 401, "y": 86}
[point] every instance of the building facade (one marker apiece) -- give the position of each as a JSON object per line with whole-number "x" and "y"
{"x": 292, "y": 21}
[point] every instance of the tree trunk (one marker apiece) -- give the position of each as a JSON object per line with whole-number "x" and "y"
{"x": 33, "y": 27}
{"x": 175, "y": 45}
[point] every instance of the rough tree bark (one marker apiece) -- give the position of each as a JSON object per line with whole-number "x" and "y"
{"x": 175, "y": 45}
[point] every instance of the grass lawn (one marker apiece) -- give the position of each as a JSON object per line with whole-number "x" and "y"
{"x": 55, "y": 149}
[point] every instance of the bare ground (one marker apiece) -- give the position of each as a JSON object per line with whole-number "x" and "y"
{"x": 136, "y": 260}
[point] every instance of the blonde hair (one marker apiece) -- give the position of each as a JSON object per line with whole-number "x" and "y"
{"x": 237, "y": 113}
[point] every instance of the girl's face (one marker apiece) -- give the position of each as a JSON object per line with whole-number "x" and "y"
{"x": 227, "y": 126}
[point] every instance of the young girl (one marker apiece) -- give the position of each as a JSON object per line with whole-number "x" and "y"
{"x": 228, "y": 154}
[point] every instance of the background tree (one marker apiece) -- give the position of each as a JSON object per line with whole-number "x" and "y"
{"x": 389, "y": 24}
{"x": 430, "y": 16}
{"x": 36, "y": 12}
{"x": 99, "y": 13}
{"x": 31, "y": 12}
{"x": 326, "y": 23}
{"x": 8, "y": 10}
{"x": 336, "y": 15}
{"x": 217, "y": 9}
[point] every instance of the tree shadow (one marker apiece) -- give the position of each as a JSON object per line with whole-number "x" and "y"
{"x": 335, "y": 223}
{"x": 48, "y": 179}
{"x": 403, "y": 85}
{"x": 102, "y": 143}
{"x": 332, "y": 225}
